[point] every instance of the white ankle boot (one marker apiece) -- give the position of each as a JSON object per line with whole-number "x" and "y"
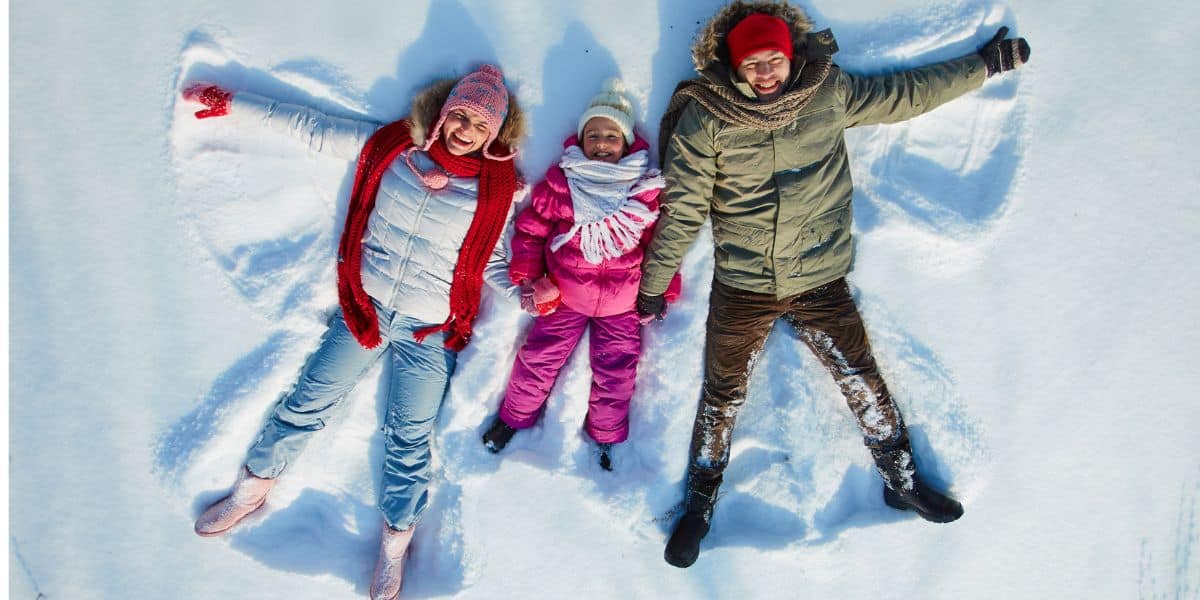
{"x": 248, "y": 494}
{"x": 389, "y": 571}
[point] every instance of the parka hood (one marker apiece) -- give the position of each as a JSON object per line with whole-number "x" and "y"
{"x": 427, "y": 106}
{"x": 710, "y": 47}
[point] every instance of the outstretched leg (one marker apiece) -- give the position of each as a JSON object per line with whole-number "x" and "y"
{"x": 738, "y": 325}
{"x": 328, "y": 375}
{"x": 829, "y": 323}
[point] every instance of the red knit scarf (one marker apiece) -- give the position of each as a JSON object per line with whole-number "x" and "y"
{"x": 497, "y": 182}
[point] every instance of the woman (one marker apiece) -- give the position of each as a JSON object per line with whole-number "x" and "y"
{"x": 431, "y": 195}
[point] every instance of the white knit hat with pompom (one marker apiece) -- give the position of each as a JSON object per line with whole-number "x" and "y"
{"x": 611, "y": 103}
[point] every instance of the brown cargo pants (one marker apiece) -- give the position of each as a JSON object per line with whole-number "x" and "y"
{"x": 738, "y": 324}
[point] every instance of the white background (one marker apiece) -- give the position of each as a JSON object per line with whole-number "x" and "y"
{"x": 1026, "y": 267}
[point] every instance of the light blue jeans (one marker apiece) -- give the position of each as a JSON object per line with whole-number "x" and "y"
{"x": 419, "y": 377}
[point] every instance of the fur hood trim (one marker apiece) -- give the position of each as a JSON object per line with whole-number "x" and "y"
{"x": 427, "y": 106}
{"x": 710, "y": 44}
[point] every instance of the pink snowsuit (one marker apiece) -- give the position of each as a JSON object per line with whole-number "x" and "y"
{"x": 601, "y": 295}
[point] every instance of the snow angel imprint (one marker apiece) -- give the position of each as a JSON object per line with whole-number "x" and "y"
{"x": 577, "y": 255}
{"x": 756, "y": 143}
{"x": 431, "y": 196}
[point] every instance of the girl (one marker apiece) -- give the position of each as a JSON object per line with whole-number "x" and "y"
{"x": 576, "y": 254}
{"x": 429, "y": 202}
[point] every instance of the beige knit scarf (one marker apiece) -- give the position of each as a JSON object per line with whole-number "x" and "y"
{"x": 716, "y": 93}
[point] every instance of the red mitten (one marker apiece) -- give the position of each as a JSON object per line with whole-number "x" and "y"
{"x": 541, "y": 298}
{"x": 674, "y": 289}
{"x": 546, "y": 296}
{"x": 213, "y": 96}
{"x": 528, "y": 305}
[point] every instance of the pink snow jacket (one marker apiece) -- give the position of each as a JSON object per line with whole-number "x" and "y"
{"x": 597, "y": 290}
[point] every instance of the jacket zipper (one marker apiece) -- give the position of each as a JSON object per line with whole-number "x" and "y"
{"x": 402, "y": 271}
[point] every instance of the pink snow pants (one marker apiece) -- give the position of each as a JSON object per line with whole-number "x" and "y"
{"x": 615, "y": 342}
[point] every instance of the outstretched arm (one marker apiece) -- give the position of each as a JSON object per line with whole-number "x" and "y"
{"x": 899, "y": 96}
{"x": 337, "y": 136}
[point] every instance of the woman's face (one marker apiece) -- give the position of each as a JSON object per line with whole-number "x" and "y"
{"x": 765, "y": 71}
{"x": 602, "y": 140}
{"x": 465, "y": 131}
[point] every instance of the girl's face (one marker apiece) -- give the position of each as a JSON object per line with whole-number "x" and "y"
{"x": 465, "y": 131}
{"x": 603, "y": 140}
{"x": 765, "y": 71}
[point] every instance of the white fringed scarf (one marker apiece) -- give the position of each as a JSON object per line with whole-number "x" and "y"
{"x": 608, "y": 220}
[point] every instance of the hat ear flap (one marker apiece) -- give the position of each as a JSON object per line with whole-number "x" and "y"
{"x": 496, "y": 150}
{"x": 433, "y": 133}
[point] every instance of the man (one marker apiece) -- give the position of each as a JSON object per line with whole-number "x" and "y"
{"x": 756, "y": 143}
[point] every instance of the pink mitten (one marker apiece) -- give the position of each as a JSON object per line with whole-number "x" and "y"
{"x": 544, "y": 297}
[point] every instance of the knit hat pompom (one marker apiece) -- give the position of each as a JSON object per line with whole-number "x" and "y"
{"x": 612, "y": 103}
{"x": 758, "y": 32}
{"x": 481, "y": 91}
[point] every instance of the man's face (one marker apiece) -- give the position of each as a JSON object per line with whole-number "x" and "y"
{"x": 465, "y": 131}
{"x": 603, "y": 140}
{"x": 765, "y": 71}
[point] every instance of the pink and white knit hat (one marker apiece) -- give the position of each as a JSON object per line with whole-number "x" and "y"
{"x": 482, "y": 91}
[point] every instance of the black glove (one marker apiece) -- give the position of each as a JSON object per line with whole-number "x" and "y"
{"x": 1004, "y": 55}
{"x": 651, "y": 307}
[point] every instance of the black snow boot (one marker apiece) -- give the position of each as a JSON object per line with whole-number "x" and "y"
{"x": 606, "y": 456}
{"x": 498, "y": 435}
{"x": 904, "y": 489}
{"x": 684, "y": 546}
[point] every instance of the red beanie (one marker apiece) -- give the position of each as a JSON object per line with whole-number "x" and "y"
{"x": 756, "y": 33}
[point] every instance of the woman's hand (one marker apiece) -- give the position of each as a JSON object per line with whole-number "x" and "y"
{"x": 213, "y": 96}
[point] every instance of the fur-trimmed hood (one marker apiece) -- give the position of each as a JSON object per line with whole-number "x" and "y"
{"x": 710, "y": 47}
{"x": 427, "y": 106}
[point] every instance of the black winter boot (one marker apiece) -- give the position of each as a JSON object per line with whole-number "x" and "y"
{"x": 684, "y": 546}
{"x": 606, "y": 456}
{"x": 904, "y": 489}
{"x": 498, "y": 435}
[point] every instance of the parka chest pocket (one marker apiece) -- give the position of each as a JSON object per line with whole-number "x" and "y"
{"x": 743, "y": 150}
{"x": 739, "y": 249}
{"x": 809, "y": 139}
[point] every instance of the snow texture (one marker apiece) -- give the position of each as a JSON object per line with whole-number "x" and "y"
{"x": 1023, "y": 267}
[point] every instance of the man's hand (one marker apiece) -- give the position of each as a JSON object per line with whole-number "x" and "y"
{"x": 651, "y": 308}
{"x": 1003, "y": 54}
{"x": 214, "y": 97}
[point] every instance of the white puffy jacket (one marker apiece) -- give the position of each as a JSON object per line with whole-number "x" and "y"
{"x": 414, "y": 233}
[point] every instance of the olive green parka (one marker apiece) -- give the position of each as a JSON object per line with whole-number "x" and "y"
{"x": 780, "y": 200}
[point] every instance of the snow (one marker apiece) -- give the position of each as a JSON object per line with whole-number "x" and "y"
{"x": 1024, "y": 267}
